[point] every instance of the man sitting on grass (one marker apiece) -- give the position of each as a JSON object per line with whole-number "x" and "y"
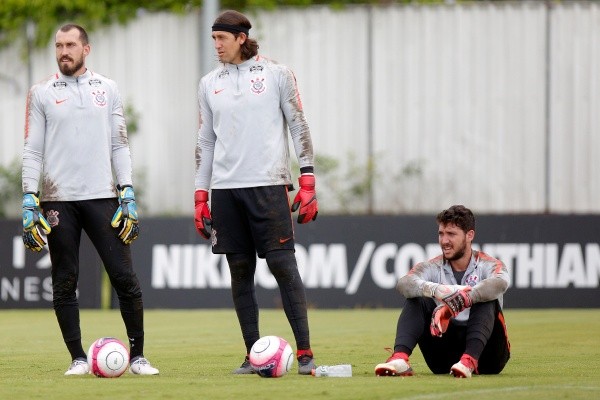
{"x": 453, "y": 308}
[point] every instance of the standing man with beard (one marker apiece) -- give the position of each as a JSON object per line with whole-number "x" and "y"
{"x": 453, "y": 308}
{"x": 75, "y": 137}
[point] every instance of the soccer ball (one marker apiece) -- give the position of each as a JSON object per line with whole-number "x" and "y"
{"x": 271, "y": 356}
{"x": 108, "y": 358}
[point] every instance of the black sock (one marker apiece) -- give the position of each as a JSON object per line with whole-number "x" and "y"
{"x": 76, "y": 349}
{"x": 283, "y": 266}
{"x": 136, "y": 347}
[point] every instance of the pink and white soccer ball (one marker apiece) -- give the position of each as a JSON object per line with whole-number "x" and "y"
{"x": 108, "y": 358}
{"x": 271, "y": 356}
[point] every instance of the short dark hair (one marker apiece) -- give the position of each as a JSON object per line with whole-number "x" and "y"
{"x": 83, "y": 36}
{"x": 458, "y": 215}
{"x": 231, "y": 17}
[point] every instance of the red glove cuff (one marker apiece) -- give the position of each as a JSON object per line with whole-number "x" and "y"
{"x": 307, "y": 181}
{"x": 201, "y": 196}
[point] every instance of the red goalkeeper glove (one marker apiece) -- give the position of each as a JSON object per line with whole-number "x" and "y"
{"x": 459, "y": 300}
{"x": 202, "y": 216}
{"x": 306, "y": 199}
{"x": 440, "y": 319}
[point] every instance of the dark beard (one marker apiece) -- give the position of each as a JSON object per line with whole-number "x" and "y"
{"x": 458, "y": 254}
{"x": 70, "y": 71}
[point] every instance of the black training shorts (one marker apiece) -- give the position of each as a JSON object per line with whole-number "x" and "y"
{"x": 248, "y": 220}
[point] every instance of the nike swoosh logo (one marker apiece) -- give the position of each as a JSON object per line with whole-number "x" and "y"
{"x": 284, "y": 240}
{"x": 61, "y": 101}
{"x": 219, "y": 91}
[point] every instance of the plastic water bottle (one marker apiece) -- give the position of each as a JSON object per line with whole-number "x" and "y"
{"x": 337, "y": 371}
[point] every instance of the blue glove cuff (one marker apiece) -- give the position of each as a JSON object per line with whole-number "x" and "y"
{"x": 126, "y": 194}
{"x": 30, "y": 200}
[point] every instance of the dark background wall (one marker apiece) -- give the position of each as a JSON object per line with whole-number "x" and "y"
{"x": 345, "y": 262}
{"x": 25, "y": 280}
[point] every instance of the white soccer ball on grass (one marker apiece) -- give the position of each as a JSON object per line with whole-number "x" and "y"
{"x": 108, "y": 358}
{"x": 271, "y": 357}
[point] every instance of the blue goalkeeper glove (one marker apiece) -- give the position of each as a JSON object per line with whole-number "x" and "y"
{"x": 34, "y": 223}
{"x": 126, "y": 215}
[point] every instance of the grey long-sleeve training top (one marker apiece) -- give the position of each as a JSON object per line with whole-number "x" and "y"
{"x": 245, "y": 113}
{"x": 75, "y": 137}
{"x": 488, "y": 277}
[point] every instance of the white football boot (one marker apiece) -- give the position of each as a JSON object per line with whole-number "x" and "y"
{"x": 141, "y": 366}
{"x": 464, "y": 368}
{"x": 394, "y": 366}
{"x": 79, "y": 366}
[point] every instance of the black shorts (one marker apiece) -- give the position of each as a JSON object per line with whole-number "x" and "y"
{"x": 248, "y": 220}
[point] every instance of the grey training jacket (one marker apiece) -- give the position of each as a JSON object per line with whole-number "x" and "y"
{"x": 75, "y": 136}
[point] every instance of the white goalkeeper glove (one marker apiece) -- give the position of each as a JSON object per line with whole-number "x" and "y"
{"x": 439, "y": 291}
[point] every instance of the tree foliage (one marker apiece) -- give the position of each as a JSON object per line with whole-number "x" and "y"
{"x": 38, "y": 20}
{"x": 10, "y": 189}
{"x": 43, "y": 17}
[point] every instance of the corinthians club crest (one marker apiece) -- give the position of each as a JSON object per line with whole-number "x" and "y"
{"x": 52, "y": 218}
{"x": 99, "y": 98}
{"x": 258, "y": 85}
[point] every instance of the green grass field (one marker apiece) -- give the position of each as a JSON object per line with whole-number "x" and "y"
{"x": 555, "y": 355}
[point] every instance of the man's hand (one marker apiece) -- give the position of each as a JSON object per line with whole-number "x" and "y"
{"x": 306, "y": 199}
{"x": 34, "y": 223}
{"x": 459, "y": 300}
{"x": 126, "y": 215}
{"x": 440, "y": 319}
{"x": 202, "y": 216}
{"x": 439, "y": 291}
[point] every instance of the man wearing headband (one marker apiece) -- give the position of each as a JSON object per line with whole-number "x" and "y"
{"x": 247, "y": 105}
